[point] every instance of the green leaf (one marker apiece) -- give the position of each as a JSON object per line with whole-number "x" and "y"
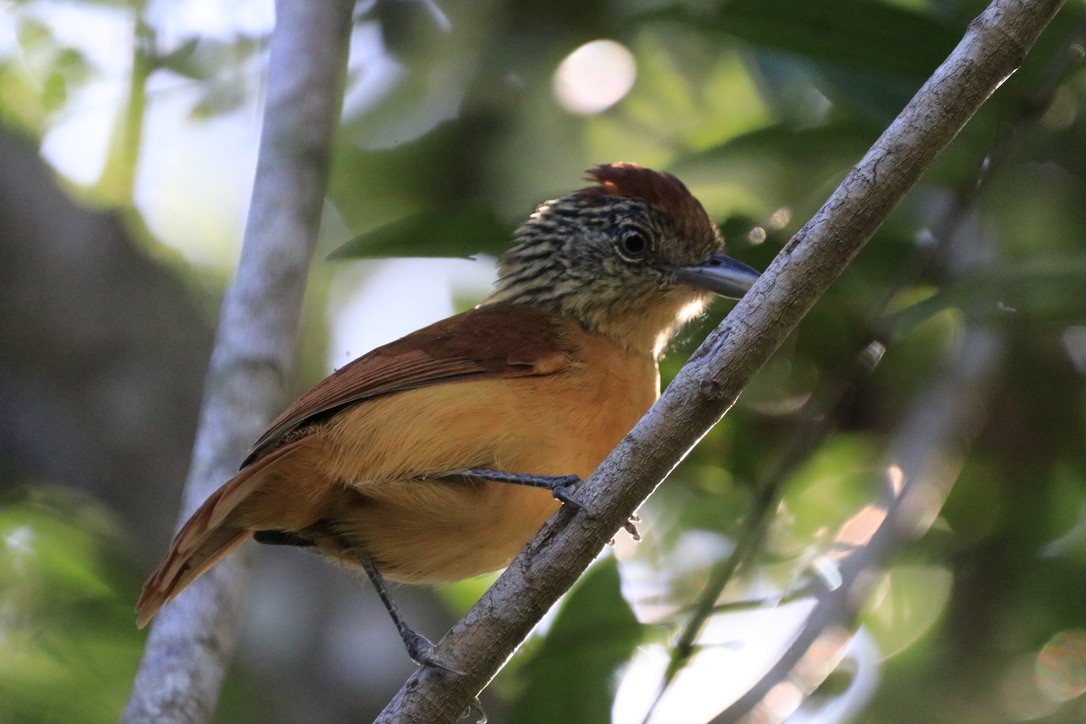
{"x": 182, "y": 60}
{"x": 571, "y": 676}
{"x": 906, "y": 603}
{"x": 54, "y": 91}
{"x": 203, "y": 59}
{"x": 775, "y": 166}
{"x": 33, "y": 34}
{"x": 1044, "y": 288}
{"x": 461, "y": 233}
{"x": 851, "y": 33}
{"x": 67, "y": 585}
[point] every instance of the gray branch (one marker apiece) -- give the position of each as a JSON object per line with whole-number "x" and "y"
{"x": 478, "y": 645}
{"x": 190, "y": 644}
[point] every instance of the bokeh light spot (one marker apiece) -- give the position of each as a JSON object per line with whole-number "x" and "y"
{"x": 594, "y": 77}
{"x": 780, "y": 218}
{"x": 1061, "y": 666}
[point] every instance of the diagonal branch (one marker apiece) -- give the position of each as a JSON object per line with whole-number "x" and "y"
{"x": 826, "y": 408}
{"x": 478, "y": 645}
{"x": 191, "y": 642}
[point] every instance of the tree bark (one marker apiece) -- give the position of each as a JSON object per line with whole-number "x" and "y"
{"x": 478, "y": 645}
{"x": 190, "y": 645}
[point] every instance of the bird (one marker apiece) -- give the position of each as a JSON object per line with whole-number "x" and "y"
{"x": 437, "y": 456}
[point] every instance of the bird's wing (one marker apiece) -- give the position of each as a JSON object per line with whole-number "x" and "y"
{"x": 490, "y": 341}
{"x": 487, "y": 342}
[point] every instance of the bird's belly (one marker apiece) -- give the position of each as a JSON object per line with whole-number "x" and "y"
{"x": 419, "y": 529}
{"x": 462, "y": 530}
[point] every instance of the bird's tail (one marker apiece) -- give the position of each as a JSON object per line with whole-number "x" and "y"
{"x": 213, "y": 531}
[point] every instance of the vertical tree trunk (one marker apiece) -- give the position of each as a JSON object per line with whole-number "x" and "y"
{"x": 193, "y": 638}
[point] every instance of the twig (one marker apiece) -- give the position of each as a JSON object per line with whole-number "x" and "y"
{"x": 920, "y": 469}
{"x": 708, "y": 385}
{"x": 190, "y": 644}
{"x": 826, "y": 408}
{"x": 823, "y": 413}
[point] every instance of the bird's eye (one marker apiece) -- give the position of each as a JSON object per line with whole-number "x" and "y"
{"x": 633, "y": 245}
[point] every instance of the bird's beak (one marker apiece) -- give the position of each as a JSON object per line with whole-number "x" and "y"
{"x": 721, "y": 274}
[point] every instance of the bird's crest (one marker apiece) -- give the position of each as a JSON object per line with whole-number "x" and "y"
{"x": 659, "y": 190}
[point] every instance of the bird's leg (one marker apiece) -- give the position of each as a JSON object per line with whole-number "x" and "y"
{"x": 562, "y": 487}
{"x": 418, "y": 647}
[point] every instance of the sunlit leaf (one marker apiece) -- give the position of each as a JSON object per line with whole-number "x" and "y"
{"x": 32, "y": 34}
{"x": 460, "y": 595}
{"x": 205, "y": 58}
{"x": 776, "y": 166}
{"x": 54, "y": 91}
{"x": 75, "y": 65}
{"x": 833, "y": 484}
{"x": 905, "y": 604}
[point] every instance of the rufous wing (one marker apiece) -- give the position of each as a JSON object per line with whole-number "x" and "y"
{"x": 498, "y": 340}
{"x": 486, "y": 342}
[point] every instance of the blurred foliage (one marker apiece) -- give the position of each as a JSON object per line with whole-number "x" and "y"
{"x": 67, "y": 639}
{"x": 66, "y": 618}
{"x": 760, "y": 106}
{"x": 596, "y": 629}
{"x": 464, "y": 231}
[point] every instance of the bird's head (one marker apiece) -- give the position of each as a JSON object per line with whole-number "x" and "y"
{"x": 632, "y": 257}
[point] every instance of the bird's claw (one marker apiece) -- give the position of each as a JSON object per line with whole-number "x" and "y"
{"x": 564, "y": 490}
{"x": 422, "y": 653}
{"x": 475, "y": 707}
{"x": 630, "y": 526}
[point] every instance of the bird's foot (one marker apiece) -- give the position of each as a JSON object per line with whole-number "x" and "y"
{"x": 563, "y": 490}
{"x": 422, "y": 651}
{"x": 418, "y": 646}
{"x": 562, "y": 487}
{"x": 630, "y": 526}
